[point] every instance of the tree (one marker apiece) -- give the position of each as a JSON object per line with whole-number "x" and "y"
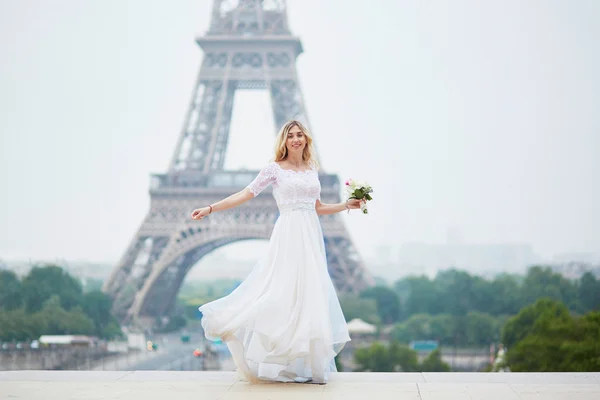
{"x": 43, "y": 282}
{"x": 506, "y": 295}
{"x": 381, "y": 358}
{"x": 518, "y": 327}
{"x": 403, "y": 358}
{"x": 417, "y": 327}
{"x": 16, "y": 325}
{"x": 419, "y": 295}
{"x": 10, "y": 290}
{"x": 474, "y": 329}
{"x": 112, "y": 330}
{"x": 58, "y": 321}
{"x": 541, "y": 351}
{"x": 482, "y": 295}
{"x": 588, "y": 292}
{"x": 356, "y": 307}
{"x": 542, "y": 282}
{"x": 92, "y": 284}
{"x": 442, "y": 328}
{"x": 374, "y": 358}
{"x": 457, "y": 291}
{"x": 338, "y": 364}
{"x": 388, "y": 304}
{"x": 97, "y": 306}
{"x": 481, "y": 330}
{"x": 582, "y": 350}
{"x": 433, "y": 363}
{"x": 545, "y": 338}
{"x": 53, "y": 304}
{"x": 396, "y": 358}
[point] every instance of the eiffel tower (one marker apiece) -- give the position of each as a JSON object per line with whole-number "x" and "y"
{"x": 248, "y": 46}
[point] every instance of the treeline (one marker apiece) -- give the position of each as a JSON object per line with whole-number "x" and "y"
{"x": 196, "y": 293}
{"x": 542, "y": 337}
{"x": 395, "y": 357}
{"x": 472, "y": 330}
{"x": 460, "y": 309}
{"x": 49, "y": 301}
{"x": 547, "y": 337}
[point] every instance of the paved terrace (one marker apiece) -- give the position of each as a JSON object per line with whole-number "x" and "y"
{"x": 155, "y": 385}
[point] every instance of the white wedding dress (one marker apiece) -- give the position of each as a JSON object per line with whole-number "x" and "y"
{"x": 284, "y": 321}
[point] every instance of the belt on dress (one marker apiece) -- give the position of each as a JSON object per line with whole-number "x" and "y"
{"x": 296, "y": 207}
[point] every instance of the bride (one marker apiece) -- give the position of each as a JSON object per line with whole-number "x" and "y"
{"x": 284, "y": 321}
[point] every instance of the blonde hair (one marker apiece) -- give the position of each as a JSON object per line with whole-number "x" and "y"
{"x": 308, "y": 154}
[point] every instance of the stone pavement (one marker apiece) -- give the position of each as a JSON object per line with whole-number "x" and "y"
{"x": 124, "y": 361}
{"x": 218, "y": 385}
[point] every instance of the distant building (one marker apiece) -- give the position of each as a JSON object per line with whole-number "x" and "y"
{"x": 583, "y": 258}
{"x": 486, "y": 260}
{"x": 575, "y": 269}
{"x": 482, "y": 259}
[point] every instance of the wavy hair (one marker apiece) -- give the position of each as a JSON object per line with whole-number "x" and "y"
{"x": 308, "y": 154}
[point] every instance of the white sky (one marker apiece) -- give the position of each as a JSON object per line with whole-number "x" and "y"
{"x": 480, "y": 116}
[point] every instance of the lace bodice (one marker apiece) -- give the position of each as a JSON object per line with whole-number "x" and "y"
{"x": 289, "y": 187}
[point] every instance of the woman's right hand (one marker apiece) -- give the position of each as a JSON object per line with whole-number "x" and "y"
{"x": 200, "y": 213}
{"x": 354, "y": 203}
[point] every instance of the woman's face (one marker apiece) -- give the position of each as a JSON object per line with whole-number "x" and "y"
{"x": 296, "y": 140}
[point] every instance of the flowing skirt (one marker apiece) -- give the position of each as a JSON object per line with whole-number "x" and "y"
{"x": 284, "y": 321}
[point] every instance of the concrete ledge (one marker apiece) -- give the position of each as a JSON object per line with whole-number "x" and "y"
{"x": 150, "y": 385}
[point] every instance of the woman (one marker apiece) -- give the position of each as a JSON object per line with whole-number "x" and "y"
{"x": 284, "y": 322}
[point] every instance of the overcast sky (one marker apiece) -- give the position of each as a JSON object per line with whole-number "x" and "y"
{"x": 477, "y": 116}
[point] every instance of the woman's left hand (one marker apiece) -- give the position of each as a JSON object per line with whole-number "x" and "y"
{"x": 355, "y": 203}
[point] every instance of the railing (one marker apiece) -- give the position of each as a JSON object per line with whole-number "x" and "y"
{"x": 49, "y": 358}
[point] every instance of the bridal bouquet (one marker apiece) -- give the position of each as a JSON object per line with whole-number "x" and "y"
{"x": 359, "y": 190}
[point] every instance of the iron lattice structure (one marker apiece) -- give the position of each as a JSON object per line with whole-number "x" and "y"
{"x": 248, "y": 46}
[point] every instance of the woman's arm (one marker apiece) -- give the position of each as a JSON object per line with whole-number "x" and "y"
{"x": 325, "y": 209}
{"x": 229, "y": 202}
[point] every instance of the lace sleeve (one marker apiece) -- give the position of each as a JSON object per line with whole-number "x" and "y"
{"x": 267, "y": 176}
{"x": 316, "y": 169}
